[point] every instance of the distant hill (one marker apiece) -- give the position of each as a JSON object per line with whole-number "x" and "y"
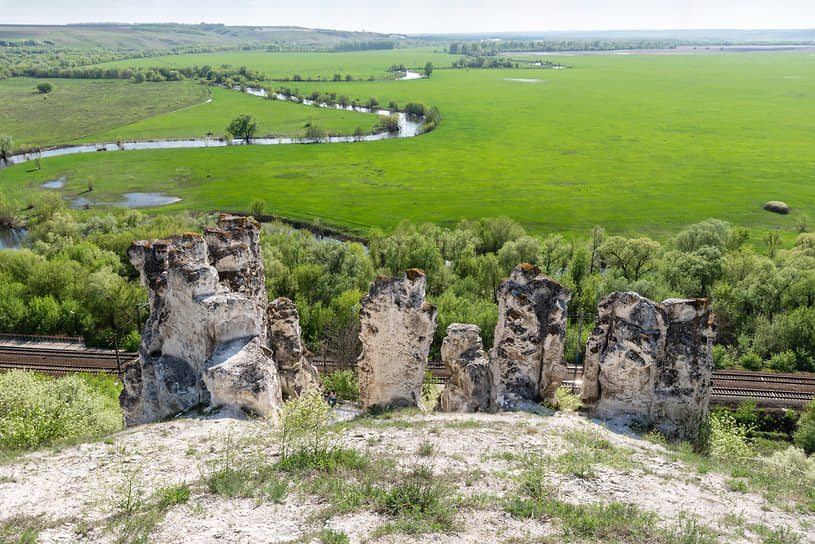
{"x": 171, "y": 35}
{"x": 713, "y": 36}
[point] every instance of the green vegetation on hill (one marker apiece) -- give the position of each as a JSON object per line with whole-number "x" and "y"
{"x": 75, "y": 109}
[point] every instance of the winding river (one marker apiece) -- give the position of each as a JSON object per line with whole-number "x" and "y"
{"x": 408, "y": 128}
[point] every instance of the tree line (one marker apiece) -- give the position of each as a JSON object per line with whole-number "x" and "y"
{"x": 73, "y": 277}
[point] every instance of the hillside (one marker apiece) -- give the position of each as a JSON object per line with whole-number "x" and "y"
{"x": 171, "y": 35}
{"x": 511, "y": 477}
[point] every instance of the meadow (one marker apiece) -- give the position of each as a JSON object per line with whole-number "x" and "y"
{"x": 77, "y": 108}
{"x": 636, "y": 144}
{"x": 274, "y": 117}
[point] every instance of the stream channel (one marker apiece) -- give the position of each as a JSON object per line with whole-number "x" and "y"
{"x": 408, "y": 128}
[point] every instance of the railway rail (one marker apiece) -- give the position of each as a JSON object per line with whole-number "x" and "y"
{"x": 57, "y": 362}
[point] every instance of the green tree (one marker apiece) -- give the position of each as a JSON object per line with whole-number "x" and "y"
{"x": 315, "y": 133}
{"x": 390, "y": 123}
{"x": 773, "y": 240}
{"x": 243, "y": 126}
{"x": 44, "y": 87}
{"x": 428, "y": 69}
{"x": 632, "y": 256}
{"x": 6, "y": 146}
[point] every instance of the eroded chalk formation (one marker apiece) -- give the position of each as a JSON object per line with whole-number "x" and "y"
{"x": 650, "y": 362}
{"x": 471, "y": 386}
{"x": 396, "y": 330}
{"x": 204, "y": 342}
{"x": 529, "y": 337}
{"x": 296, "y": 372}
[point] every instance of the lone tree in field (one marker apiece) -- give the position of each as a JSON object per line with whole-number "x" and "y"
{"x": 44, "y": 87}
{"x": 243, "y": 126}
{"x": 6, "y": 146}
{"x": 428, "y": 69}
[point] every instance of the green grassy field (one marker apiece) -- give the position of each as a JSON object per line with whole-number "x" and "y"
{"x": 638, "y": 144}
{"x": 361, "y": 65}
{"x": 77, "y": 108}
{"x": 274, "y": 117}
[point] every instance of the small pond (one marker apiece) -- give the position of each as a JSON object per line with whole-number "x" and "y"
{"x": 131, "y": 200}
{"x": 56, "y": 184}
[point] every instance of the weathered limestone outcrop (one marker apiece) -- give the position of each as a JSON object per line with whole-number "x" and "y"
{"x": 529, "y": 337}
{"x": 234, "y": 251}
{"x": 201, "y": 324}
{"x": 651, "y": 362}
{"x": 471, "y": 387}
{"x": 296, "y": 373}
{"x": 241, "y": 373}
{"x": 396, "y": 330}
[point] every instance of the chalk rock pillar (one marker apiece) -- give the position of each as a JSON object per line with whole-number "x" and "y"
{"x": 396, "y": 330}
{"x": 529, "y": 337}
{"x": 471, "y": 387}
{"x": 284, "y": 338}
{"x": 650, "y": 362}
{"x": 200, "y": 302}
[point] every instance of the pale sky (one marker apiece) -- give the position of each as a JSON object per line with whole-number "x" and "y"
{"x": 427, "y": 16}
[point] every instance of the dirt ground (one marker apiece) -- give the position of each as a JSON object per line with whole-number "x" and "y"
{"x": 74, "y": 489}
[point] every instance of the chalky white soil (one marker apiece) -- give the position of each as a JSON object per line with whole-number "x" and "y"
{"x": 74, "y": 487}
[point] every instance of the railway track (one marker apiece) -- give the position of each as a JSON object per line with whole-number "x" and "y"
{"x": 57, "y": 362}
{"x": 763, "y": 394}
{"x": 765, "y": 378}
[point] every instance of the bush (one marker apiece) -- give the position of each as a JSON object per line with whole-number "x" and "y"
{"x": 44, "y": 87}
{"x": 728, "y": 440}
{"x": 804, "y": 436}
{"x": 723, "y": 356}
{"x": 344, "y": 383}
{"x": 566, "y": 400}
{"x": 750, "y": 360}
{"x": 786, "y": 361}
{"x": 793, "y": 460}
{"x": 36, "y": 410}
{"x": 304, "y": 427}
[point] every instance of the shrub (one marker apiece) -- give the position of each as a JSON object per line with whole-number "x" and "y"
{"x": 786, "y": 361}
{"x": 750, "y": 360}
{"x": 256, "y": 208}
{"x": 44, "y": 87}
{"x": 745, "y": 413}
{"x": 792, "y": 460}
{"x": 804, "y": 436}
{"x": 566, "y": 400}
{"x": 430, "y": 391}
{"x": 36, "y": 410}
{"x": 728, "y": 440}
{"x": 344, "y": 383}
{"x": 304, "y": 427}
{"x": 722, "y": 356}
